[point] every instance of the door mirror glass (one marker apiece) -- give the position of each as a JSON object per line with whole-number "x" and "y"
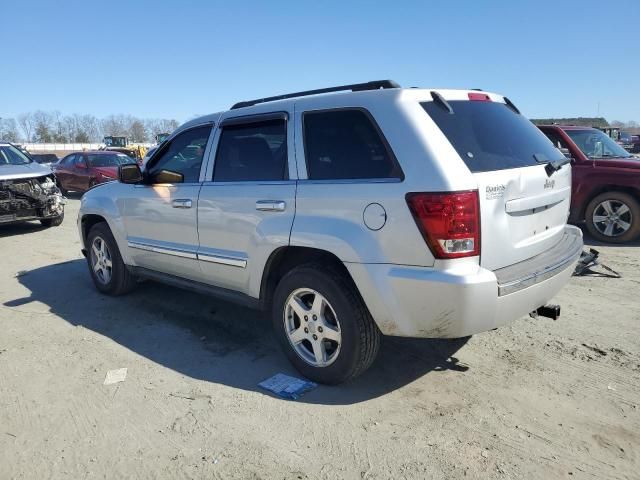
{"x": 167, "y": 176}
{"x": 130, "y": 173}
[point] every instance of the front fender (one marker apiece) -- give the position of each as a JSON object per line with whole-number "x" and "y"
{"x": 107, "y": 202}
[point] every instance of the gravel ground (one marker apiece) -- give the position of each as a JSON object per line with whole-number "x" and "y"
{"x": 536, "y": 399}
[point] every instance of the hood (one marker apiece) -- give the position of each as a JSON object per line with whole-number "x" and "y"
{"x": 30, "y": 170}
{"x": 107, "y": 171}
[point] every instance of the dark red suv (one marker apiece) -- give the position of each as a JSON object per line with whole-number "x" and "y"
{"x": 606, "y": 182}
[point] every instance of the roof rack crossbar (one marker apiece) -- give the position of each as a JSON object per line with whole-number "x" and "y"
{"x": 356, "y": 87}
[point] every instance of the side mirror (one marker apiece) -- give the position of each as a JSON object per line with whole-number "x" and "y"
{"x": 167, "y": 176}
{"x": 130, "y": 173}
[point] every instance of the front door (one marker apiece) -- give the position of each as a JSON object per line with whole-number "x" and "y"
{"x": 79, "y": 178}
{"x": 161, "y": 217}
{"x": 246, "y": 206}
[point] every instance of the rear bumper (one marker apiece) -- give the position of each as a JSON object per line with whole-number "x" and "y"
{"x": 465, "y": 298}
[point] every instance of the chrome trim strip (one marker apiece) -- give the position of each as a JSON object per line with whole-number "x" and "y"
{"x": 232, "y": 261}
{"x": 350, "y": 181}
{"x": 166, "y": 251}
{"x": 540, "y": 276}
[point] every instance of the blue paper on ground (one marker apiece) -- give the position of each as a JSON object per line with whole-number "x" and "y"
{"x": 287, "y": 387}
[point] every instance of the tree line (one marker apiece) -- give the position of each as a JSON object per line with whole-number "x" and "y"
{"x": 53, "y": 127}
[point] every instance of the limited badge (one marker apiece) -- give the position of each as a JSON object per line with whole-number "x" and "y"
{"x": 495, "y": 191}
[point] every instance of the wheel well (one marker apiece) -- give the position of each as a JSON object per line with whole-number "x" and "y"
{"x": 89, "y": 221}
{"x": 284, "y": 259}
{"x": 634, "y": 192}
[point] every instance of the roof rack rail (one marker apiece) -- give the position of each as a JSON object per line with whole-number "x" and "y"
{"x": 356, "y": 87}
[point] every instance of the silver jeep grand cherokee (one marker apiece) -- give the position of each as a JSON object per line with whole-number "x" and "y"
{"x": 375, "y": 211}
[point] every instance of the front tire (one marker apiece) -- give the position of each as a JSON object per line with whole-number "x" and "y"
{"x": 323, "y": 325}
{"x": 107, "y": 269}
{"x": 52, "y": 222}
{"x": 613, "y": 217}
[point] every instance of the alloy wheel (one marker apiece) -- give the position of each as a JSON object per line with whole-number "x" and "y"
{"x": 312, "y": 327}
{"x": 612, "y": 218}
{"x": 101, "y": 260}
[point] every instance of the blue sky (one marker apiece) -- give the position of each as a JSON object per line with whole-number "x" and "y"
{"x": 183, "y": 58}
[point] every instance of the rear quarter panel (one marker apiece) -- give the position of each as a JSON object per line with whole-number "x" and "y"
{"x": 329, "y": 213}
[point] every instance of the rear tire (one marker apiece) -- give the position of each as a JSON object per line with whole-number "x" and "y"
{"x": 108, "y": 271}
{"x": 347, "y": 336}
{"x": 613, "y": 217}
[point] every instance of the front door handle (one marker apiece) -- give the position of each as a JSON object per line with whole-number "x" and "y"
{"x": 181, "y": 203}
{"x": 271, "y": 205}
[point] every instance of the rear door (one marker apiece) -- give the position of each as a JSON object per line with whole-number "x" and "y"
{"x": 247, "y": 203}
{"x": 81, "y": 173}
{"x": 523, "y": 210}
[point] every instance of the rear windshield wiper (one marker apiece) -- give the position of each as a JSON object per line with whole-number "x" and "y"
{"x": 551, "y": 167}
{"x": 439, "y": 99}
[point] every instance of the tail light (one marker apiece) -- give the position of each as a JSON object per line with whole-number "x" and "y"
{"x": 449, "y": 222}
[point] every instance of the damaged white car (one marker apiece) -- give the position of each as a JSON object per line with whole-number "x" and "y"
{"x": 28, "y": 190}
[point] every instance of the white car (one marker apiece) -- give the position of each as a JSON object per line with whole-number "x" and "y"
{"x": 372, "y": 211}
{"x": 28, "y": 190}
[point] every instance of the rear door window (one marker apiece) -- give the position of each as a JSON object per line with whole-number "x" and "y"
{"x": 346, "y": 144}
{"x": 491, "y": 136}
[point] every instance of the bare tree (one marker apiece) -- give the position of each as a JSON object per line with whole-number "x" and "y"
{"x": 115, "y": 125}
{"x": 137, "y": 132}
{"x": 9, "y": 130}
{"x": 25, "y": 120}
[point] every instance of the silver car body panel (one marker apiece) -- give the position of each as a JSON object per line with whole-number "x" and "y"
{"x": 30, "y": 170}
{"x": 232, "y": 228}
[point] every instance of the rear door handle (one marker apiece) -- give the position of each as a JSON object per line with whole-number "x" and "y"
{"x": 271, "y": 205}
{"x": 181, "y": 203}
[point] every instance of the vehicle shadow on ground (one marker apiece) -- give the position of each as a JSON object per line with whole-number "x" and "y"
{"x": 22, "y": 228}
{"x": 216, "y": 341}
{"x": 589, "y": 241}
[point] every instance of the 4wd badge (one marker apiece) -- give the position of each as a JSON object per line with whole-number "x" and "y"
{"x": 495, "y": 191}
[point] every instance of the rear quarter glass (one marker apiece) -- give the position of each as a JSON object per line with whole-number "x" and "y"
{"x": 491, "y": 136}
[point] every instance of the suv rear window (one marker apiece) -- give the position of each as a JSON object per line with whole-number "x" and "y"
{"x": 345, "y": 144}
{"x": 490, "y": 136}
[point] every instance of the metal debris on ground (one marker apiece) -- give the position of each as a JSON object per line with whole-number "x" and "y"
{"x": 115, "y": 376}
{"x": 589, "y": 260}
{"x": 287, "y": 387}
{"x": 21, "y": 273}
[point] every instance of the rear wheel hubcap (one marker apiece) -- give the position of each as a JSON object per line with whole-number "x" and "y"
{"x": 312, "y": 327}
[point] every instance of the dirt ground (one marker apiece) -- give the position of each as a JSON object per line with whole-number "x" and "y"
{"x": 537, "y": 399}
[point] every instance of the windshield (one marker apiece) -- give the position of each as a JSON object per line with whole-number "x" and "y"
{"x": 490, "y": 136}
{"x": 109, "y": 160}
{"x": 596, "y": 144}
{"x": 10, "y": 155}
{"x": 115, "y": 141}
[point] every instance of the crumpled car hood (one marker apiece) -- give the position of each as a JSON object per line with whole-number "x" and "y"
{"x": 30, "y": 170}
